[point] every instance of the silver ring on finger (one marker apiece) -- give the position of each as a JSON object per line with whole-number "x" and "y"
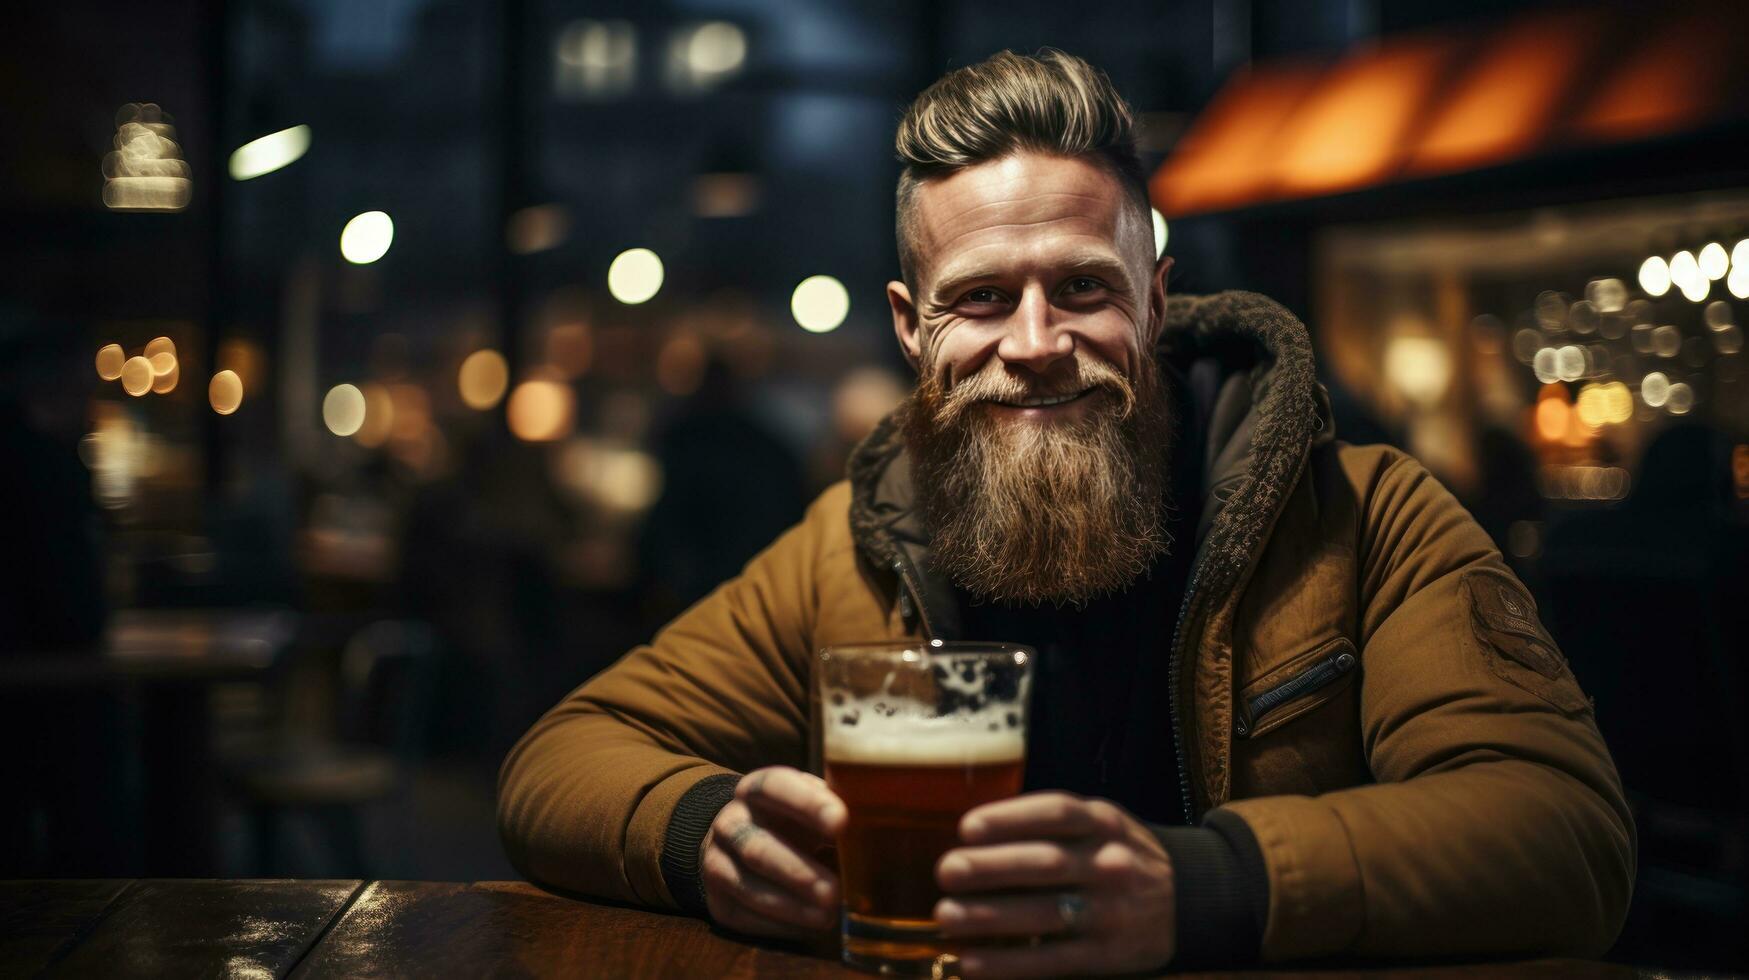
{"x": 1072, "y": 909}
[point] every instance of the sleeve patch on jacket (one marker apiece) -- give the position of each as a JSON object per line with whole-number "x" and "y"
{"x": 1513, "y": 641}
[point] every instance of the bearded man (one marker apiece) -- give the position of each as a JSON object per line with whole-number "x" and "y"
{"x": 1289, "y": 701}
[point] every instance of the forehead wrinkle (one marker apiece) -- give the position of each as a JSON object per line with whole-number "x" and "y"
{"x": 969, "y": 215}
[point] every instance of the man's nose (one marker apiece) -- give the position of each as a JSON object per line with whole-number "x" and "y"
{"x": 1032, "y": 340}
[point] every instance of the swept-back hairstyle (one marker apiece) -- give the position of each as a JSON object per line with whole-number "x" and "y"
{"x": 1052, "y": 102}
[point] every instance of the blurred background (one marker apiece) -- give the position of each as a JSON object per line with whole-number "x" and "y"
{"x": 373, "y": 373}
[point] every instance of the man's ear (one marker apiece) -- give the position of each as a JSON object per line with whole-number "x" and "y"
{"x": 905, "y": 325}
{"x": 1157, "y": 300}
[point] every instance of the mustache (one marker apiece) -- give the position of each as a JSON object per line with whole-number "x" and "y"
{"x": 995, "y": 384}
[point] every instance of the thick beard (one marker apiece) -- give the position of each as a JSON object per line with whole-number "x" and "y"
{"x": 1022, "y": 512}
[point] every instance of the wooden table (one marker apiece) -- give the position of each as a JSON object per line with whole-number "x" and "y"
{"x": 201, "y": 928}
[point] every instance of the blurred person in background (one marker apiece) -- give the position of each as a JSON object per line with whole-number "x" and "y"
{"x": 1291, "y": 701}
{"x": 730, "y": 486}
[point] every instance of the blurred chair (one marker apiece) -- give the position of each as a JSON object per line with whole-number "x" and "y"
{"x": 385, "y": 683}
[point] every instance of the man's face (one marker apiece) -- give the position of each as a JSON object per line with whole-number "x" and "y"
{"x": 1025, "y": 267}
{"x": 1038, "y": 429}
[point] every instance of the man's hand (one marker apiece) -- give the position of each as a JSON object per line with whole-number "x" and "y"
{"x": 1081, "y": 873}
{"x": 760, "y": 875}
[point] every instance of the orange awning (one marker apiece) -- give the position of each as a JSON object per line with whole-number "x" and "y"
{"x": 1427, "y": 104}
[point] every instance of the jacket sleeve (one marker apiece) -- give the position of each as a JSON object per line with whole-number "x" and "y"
{"x": 1497, "y": 824}
{"x": 585, "y": 797}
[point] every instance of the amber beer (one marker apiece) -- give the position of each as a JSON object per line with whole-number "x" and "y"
{"x": 904, "y": 815}
{"x": 910, "y": 745}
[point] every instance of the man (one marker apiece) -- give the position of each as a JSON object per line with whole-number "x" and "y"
{"x": 1290, "y": 702}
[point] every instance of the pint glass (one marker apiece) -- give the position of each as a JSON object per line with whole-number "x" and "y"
{"x": 914, "y": 735}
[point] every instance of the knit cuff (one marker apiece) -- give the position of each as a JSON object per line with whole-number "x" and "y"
{"x": 681, "y": 844}
{"x": 1223, "y": 891}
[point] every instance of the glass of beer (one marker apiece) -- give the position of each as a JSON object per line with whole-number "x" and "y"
{"x": 914, "y": 734}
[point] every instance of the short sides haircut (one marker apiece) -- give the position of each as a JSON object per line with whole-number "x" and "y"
{"x": 1052, "y": 103}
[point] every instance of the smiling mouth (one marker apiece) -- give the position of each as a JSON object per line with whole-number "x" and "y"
{"x": 1046, "y": 401}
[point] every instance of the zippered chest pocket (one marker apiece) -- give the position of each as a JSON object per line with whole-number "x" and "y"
{"x": 1315, "y": 677}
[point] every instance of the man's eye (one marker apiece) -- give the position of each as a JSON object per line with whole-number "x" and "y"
{"x": 1084, "y": 284}
{"x": 985, "y": 295}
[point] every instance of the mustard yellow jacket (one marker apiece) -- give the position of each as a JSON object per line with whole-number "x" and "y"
{"x": 1358, "y": 676}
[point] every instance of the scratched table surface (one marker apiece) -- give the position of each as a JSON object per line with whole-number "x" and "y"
{"x": 223, "y": 928}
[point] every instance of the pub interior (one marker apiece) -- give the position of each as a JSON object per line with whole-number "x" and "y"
{"x": 374, "y": 373}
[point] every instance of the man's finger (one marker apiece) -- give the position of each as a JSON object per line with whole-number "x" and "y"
{"x": 801, "y": 797}
{"x": 1041, "y": 816}
{"x": 779, "y": 861}
{"x": 997, "y": 867}
{"x": 1073, "y": 957}
{"x": 1011, "y": 915}
{"x": 758, "y": 897}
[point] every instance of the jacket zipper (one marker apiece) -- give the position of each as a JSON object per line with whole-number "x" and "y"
{"x": 1318, "y": 675}
{"x": 1173, "y": 664}
{"x": 914, "y": 596}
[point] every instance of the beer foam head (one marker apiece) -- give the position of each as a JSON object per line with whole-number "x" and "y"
{"x": 876, "y": 731}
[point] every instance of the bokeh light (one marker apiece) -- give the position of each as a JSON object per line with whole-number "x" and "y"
{"x": 225, "y": 392}
{"x": 611, "y": 477}
{"x": 1655, "y": 276}
{"x": 160, "y": 345}
{"x": 538, "y": 228}
{"x": 1609, "y": 403}
{"x": 1738, "y": 281}
{"x": 367, "y": 237}
{"x": 1419, "y": 368}
{"x": 1666, "y": 340}
{"x": 1570, "y": 362}
{"x": 166, "y": 372}
{"x": 1681, "y": 399}
{"x": 1544, "y": 364}
{"x": 1684, "y": 268}
{"x": 1525, "y": 344}
{"x": 343, "y": 409}
{"x": 1159, "y": 232}
{"x": 110, "y": 358}
{"x": 145, "y": 172}
{"x": 136, "y": 376}
{"x": 379, "y": 416}
{"x": 635, "y": 276}
{"x": 269, "y": 153}
{"x": 541, "y": 410}
{"x": 1583, "y": 317}
{"x": 1655, "y": 389}
{"x": 1696, "y": 288}
{"x": 1551, "y": 418}
{"x": 1551, "y": 309}
{"x": 1713, "y": 261}
{"x": 820, "y": 304}
{"x": 1607, "y": 295}
{"x": 483, "y": 379}
{"x": 716, "y": 48}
